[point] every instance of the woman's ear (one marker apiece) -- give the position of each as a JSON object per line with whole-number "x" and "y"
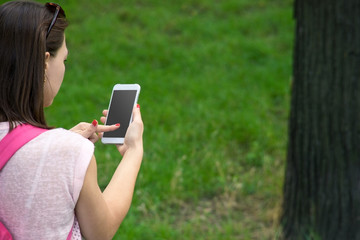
{"x": 47, "y": 59}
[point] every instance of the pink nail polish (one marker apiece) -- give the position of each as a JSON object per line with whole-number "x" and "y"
{"x": 94, "y": 123}
{"x": 138, "y": 105}
{"x": 118, "y": 124}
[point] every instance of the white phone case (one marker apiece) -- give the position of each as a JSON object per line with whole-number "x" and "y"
{"x": 121, "y": 87}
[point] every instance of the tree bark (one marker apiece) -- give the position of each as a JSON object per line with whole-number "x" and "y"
{"x": 322, "y": 179}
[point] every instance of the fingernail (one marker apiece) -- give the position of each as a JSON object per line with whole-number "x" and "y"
{"x": 94, "y": 123}
{"x": 118, "y": 124}
{"x": 138, "y": 105}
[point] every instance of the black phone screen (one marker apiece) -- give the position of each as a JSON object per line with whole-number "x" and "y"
{"x": 120, "y": 111}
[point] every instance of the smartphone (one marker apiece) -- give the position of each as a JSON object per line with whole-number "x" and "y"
{"x": 123, "y": 99}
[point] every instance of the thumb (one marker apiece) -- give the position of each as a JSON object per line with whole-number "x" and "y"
{"x": 137, "y": 114}
{"x": 91, "y": 129}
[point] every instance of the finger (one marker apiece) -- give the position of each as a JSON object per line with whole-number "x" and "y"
{"x": 100, "y": 135}
{"x": 94, "y": 138}
{"x": 103, "y": 119}
{"x": 90, "y": 129}
{"x": 122, "y": 149}
{"x": 105, "y": 112}
{"x": 105, "y": 128}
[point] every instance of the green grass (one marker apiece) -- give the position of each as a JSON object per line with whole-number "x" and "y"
{"x": 215, "y": 78}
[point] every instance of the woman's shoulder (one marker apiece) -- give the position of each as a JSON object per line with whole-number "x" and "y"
{"x": 63, "y": 137}
{"x": 64, "y": 132}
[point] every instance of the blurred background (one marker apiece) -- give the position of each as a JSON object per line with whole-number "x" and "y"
{"x": 215, "y": 82}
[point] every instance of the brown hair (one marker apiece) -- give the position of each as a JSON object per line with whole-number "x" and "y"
{"x": 23, "y": 44}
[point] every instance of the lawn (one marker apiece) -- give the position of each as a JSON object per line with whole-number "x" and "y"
{"x": 215, "y": 79}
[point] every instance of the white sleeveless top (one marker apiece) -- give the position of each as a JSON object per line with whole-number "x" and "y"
{"x": 41, "y": 183}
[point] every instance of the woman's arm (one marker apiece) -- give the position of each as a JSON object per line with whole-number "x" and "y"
{"x": 101, "y": 213}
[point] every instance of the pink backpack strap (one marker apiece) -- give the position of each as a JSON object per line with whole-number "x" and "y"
{"x": 13, "y": 141}
{"x": 4, "y": 233}
{"x": 16, "y": 139}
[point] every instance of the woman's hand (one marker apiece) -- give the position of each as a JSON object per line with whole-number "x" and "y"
{"x": 93, "y": 131}
{"x": 100, "y": 213}
{"x": 133, "y": 137}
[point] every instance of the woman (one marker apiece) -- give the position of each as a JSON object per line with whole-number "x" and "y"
{"x": 53, "y": 178}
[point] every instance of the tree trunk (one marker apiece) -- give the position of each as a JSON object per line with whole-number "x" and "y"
{"x": 322, "y": 179}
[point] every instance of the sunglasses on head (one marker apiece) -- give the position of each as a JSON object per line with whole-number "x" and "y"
{"x": 56, "y": 8}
